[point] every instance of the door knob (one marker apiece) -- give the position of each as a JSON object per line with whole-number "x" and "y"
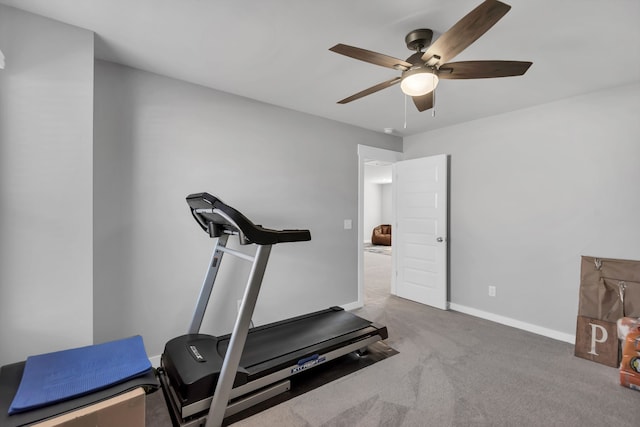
{"x": 440, "y": 239}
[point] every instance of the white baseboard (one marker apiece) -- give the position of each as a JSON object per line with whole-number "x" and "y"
{"x": 352, "y": 306}
{"x": 550, "y": 333}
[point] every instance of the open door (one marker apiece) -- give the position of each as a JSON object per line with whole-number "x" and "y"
{"x": 420, "y": 230}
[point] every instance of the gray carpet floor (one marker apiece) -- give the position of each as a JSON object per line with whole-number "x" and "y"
{"x": 456, "y": 370}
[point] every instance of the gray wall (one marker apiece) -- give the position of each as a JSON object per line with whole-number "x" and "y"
{"x": 532, "y": 191}
{"x": 46, "y": 119}
{"x": 156, "y": 141}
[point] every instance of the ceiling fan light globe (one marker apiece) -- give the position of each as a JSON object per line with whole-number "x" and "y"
{"x": 419, "y": 83}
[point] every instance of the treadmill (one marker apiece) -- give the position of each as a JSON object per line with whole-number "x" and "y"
{"x": 207, "y": 378}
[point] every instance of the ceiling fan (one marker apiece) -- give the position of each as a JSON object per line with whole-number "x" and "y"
{"x": 422, "y": 70}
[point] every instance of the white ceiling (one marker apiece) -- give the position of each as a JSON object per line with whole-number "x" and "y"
{"x": 276, "y": 51}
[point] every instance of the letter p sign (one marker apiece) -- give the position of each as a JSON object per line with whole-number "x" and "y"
{"x": 596, "y": 340}
{"x": 594, "y": 337}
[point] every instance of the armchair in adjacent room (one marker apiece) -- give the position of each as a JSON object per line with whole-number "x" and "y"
{"x": 381, "y": 235}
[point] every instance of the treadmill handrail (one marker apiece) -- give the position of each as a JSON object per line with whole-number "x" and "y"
{"x": 215, "y": 217}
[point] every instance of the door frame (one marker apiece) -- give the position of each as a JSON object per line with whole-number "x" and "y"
{"x": 365, "y": 154}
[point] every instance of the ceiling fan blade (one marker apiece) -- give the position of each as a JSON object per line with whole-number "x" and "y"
{"x": 482, "y": 69}
{"x": 465, "y": 31}
{"x": 371, "y": 90}
{"x": 424, "y": 102}
{"x": 371, "y": 57}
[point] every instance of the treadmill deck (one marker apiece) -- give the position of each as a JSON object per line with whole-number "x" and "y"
{"x": 293, "y": 345}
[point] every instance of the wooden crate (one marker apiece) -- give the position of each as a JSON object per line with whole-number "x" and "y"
{"x": 125, "y": 410}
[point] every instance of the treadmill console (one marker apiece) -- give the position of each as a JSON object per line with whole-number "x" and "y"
{"x": 217, "y": 218}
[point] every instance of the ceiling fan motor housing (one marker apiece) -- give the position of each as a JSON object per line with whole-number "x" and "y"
{"x": 418, "y": 39}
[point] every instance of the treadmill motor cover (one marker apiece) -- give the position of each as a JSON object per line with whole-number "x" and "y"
{"x": 193, "y": 364}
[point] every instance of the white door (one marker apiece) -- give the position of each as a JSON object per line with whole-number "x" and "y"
{"x": 420, "y": 230}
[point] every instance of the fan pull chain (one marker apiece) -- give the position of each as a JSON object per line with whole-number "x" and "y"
{"x": 405, "y": 111}
{"x": 433, "y": 110}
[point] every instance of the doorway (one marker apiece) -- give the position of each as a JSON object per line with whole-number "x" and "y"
{"x": 378, "y": 217}
{"x": 420, "y": 261}
{"x": 373, "y": 166}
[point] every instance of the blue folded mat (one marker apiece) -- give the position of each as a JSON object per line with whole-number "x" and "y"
{"x": 54, "y": 377}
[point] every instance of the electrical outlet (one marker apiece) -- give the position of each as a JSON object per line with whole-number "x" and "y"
{"x": 492, "y": 291}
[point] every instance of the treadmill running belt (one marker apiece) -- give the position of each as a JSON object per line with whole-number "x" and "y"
{"x": 282, "y": 338}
